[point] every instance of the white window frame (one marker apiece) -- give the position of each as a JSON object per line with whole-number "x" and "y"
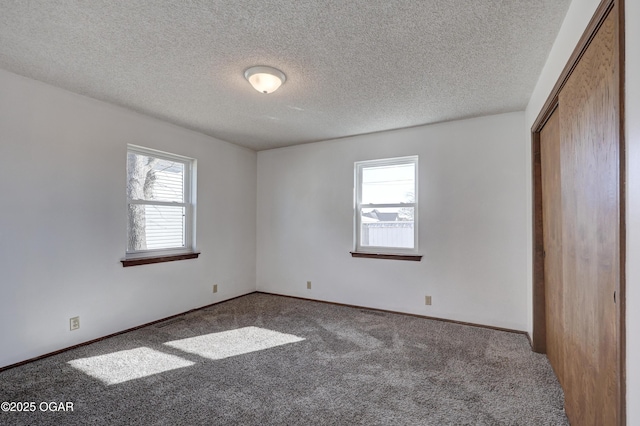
{"x": 358, "y": 205}
{"x": 189, "y": 203}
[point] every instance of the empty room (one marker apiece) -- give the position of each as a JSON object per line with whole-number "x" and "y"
{"x": 286, "y": 212}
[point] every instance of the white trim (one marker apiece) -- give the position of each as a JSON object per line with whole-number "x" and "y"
{"x": 384, "y": 206}
{"x": 188, "y": 203}
{"x": 157, "y": 203}
{"x": 137, "y": 149}
{"x": 358, "y": 206}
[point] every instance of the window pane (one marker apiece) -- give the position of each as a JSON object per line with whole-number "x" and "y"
{"x": 156, "y": 227}
{"x": 387, "y": 227}
{"x": 150, "y": 178}
{"x": 388, "y": 184}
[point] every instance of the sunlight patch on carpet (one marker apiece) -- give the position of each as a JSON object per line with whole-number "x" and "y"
{"x": 122, "y": 366}
{"x": 233, "y": 342}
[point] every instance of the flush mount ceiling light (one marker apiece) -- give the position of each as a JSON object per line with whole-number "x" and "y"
{"x": 265, "y": 79}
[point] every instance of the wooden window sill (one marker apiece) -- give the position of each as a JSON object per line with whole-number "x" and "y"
{"x": 158, "y": 259}
{"x": 411, "y": 257}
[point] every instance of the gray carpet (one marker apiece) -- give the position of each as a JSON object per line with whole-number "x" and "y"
{"x": 270, "y": 360}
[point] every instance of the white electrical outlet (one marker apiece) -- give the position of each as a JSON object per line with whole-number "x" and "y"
{"x": 74, "y": 323}
{"x": 308, "y": 285}
{"x": 427, "y": 300}
{"x": 215, "y": 288}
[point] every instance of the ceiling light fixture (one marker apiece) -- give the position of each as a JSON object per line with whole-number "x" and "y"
{"x": 265, "y": 79}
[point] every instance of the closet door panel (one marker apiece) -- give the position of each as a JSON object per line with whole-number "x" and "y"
{"x": 590, "y": 158}
{"x": 552, "y": 238}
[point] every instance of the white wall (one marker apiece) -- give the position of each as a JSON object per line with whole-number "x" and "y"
{"x": 632, "y": 57}
{"x": 578, "y": 16}
{"x": 63, "y": 221}
{"x": 472, "y": 195}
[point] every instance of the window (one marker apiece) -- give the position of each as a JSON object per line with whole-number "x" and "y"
{"x": 160, "y": 206}
{"x": 386, "y": 206}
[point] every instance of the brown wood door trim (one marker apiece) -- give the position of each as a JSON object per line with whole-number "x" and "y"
{"x": 538, "y": 337}
{"x": 622, "y": 292}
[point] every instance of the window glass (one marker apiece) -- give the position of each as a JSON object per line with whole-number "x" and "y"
{"x": 388, "y": 184}
{"x": 156, "y": 227}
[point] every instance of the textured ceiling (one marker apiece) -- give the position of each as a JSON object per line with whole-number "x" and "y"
{"x": 352, "y": 66}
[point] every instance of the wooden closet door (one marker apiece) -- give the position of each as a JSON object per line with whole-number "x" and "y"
{"x": 552, "y": 238}
{"x": 590, "y": 164}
